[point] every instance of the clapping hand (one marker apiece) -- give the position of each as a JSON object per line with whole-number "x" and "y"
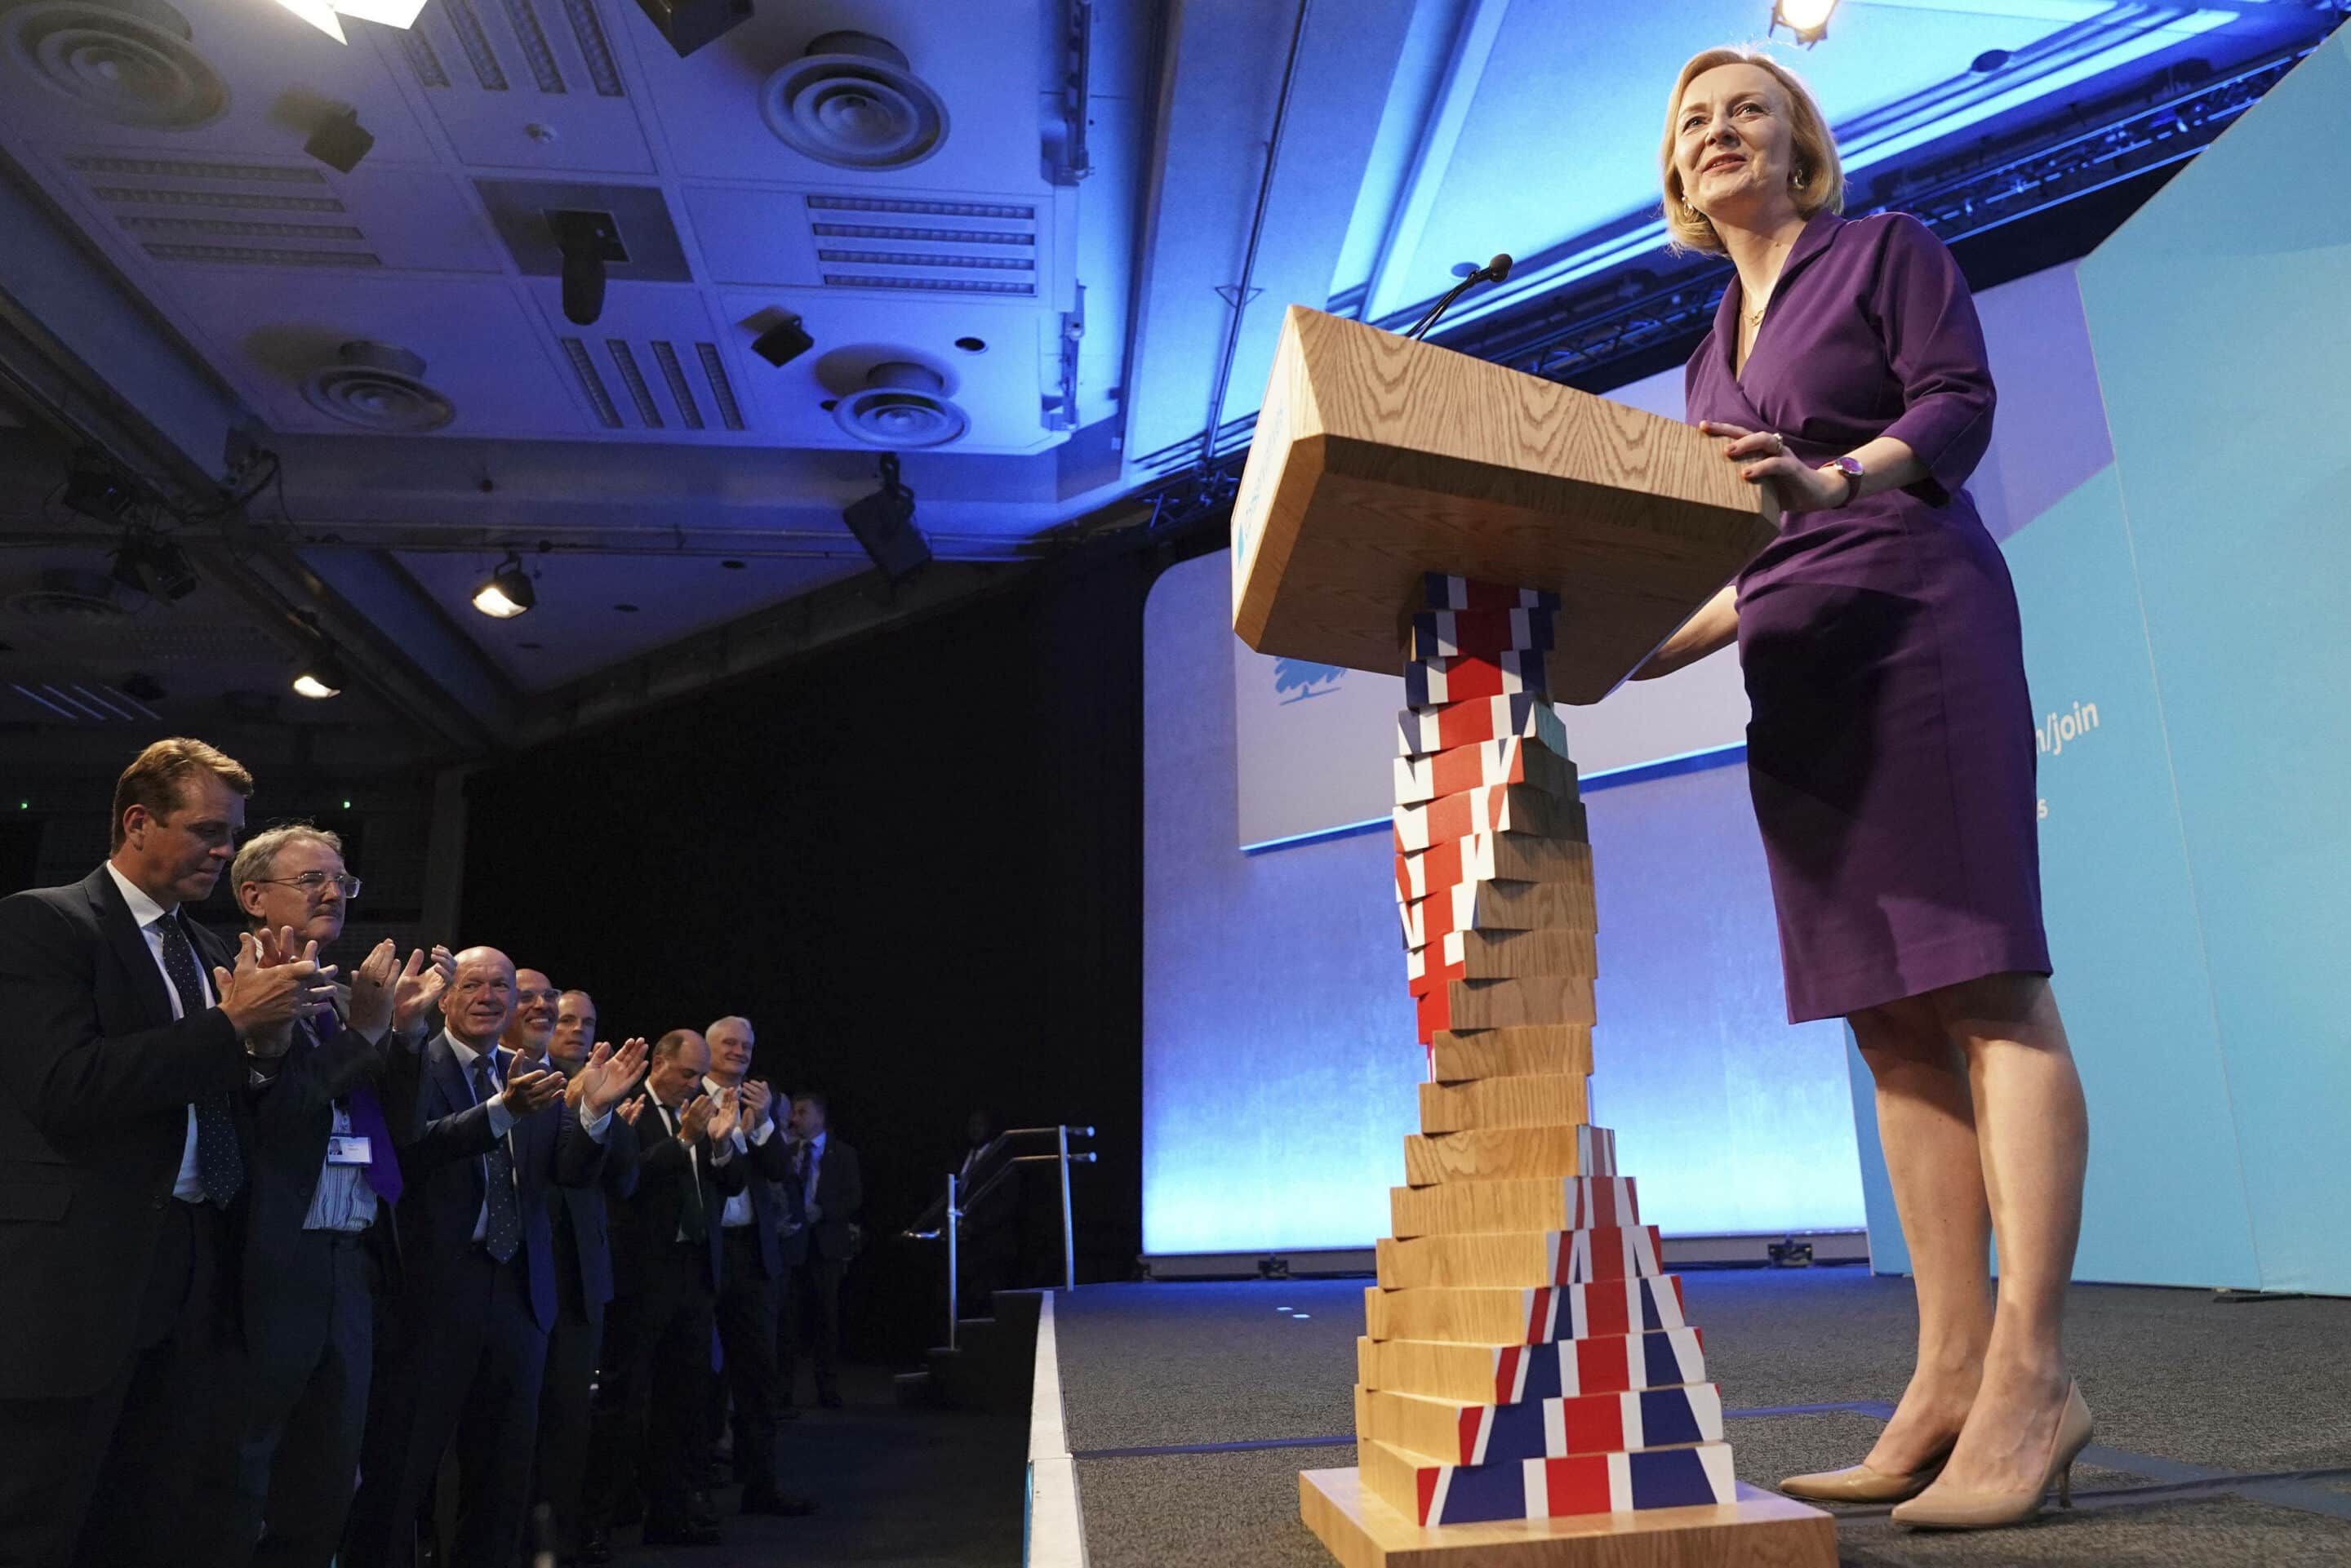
{"x": 727, "y": 1117}
{"x": 756, "y": 1097}
{"x": 372, "y": 990}
{"x": 630, "y": 1109}
{"x": 418, "y": 989}
{"x": 608, "y": 1075}
{"x": 528, "y": 1092}
{"x": 694, "y": 1121}
{"x": 265, "y": 992}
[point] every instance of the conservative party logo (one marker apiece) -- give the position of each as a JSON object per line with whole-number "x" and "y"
{"x": 1295, "y": 680}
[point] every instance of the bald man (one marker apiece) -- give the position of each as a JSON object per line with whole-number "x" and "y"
{"x": 478, "y": 1293}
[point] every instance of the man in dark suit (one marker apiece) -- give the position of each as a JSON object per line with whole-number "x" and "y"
{"x": 751, "y": 1239}
{"x": 319, "y": 1232}
{"x": 477, "y": 1288}
{"x": 125, "y": 1069}
{"x": 563, "y": 1034}
{"x": 831, "y": 1189}
{"x": 653, "y": 1397}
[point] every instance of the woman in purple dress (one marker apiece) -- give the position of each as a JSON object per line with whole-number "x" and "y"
{"x": 1890, "y": 756}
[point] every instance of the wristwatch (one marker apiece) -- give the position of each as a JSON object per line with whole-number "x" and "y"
{"x": 1850, "y": 467}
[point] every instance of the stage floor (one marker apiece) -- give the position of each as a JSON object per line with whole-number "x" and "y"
{"x": 2224, "y": 1427}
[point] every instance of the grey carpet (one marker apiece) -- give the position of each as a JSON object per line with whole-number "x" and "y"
{"x": 2174, "y": 1375}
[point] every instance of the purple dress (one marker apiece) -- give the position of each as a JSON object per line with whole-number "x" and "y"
{"x": 1890, "y": 750}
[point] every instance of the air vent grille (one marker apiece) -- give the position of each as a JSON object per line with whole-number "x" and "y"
{"x": 260, "y": 255}
{"x": 528, "y": 41}
{"x": 643, "y": 394}
{"x": 234, "y": 201}
{"x": 533, "y": 39}
{"x": 241, "y": 228}
{"x": 927, "y": 258}
{"x": 594, "y": 47}
{"x": 180, "y": 169}
{"x": 422, "y": 58}
{"x": 476, "y": 45}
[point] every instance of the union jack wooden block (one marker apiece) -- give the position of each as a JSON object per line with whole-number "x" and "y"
{"x": 1532, "y": 1052}
{"x": 1451, "y": 633}
{"x": 1432, "y": 1494}
{"x": 1500, "y": 956}
{"x": 1465, "y": 1207}
{"x": 1505, "y": 1004}
{"x": 1439, "y": 591}
{"x": 1487, "y": 1315}
{"x": 1524, "y": 1257}
{"x": 1514, "y": 759}
{"x": 1460, "y": 1434}
{"x": 1493, "y": 857}
{"x": 1487, "y": 1153}
{"x": 1505, "y": 808}
{"x": 1430, "y": 683}
{"x": 1421, "y": 731}
{"x": 1511, "y": 1373}
{"x": 1536, "y": 1100}
{"x": 1497, "y": 907}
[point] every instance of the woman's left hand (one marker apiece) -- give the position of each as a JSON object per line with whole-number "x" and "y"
{"x": 1762, "y": 454}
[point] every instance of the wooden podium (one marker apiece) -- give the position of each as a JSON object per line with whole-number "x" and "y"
{"x": 1528, "y": 1390}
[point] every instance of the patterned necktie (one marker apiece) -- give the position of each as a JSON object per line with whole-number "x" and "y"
{"x": 503, "y": 1235}
{"x": 220, "y": 1164}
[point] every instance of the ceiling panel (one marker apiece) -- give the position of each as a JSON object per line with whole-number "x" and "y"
{"x": 577, "y": 629}
{"x": 522, "y": 84}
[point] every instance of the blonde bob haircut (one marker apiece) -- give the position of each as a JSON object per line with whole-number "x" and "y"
{"x": 1821, "y": 177}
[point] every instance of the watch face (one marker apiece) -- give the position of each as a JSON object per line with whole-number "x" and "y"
{"x": 1849, "y": 466}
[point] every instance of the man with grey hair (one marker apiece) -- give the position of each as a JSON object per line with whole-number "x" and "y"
{"x": 317, "y": 1229}
{"x": 751, "y": 1227}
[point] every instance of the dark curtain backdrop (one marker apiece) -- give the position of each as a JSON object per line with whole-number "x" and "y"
{"x": 914, "y": 862}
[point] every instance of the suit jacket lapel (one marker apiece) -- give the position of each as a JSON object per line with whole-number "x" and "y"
{"x": 122, "y": 933}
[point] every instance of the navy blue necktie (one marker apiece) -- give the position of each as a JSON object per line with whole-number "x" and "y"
{"x": 220, "y": 1163}
{"x": 502, "y": 1234}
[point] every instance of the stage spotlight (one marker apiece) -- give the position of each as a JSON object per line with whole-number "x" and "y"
{"x": 589, "y": 240}
{"x": 321, "y": 677}
{"x": 340, "y": 141}
{"x": 783, "y": 342}
{"x": 1807, "y": 19}
{"x": 154, "y": 566}
{"x": 690, "y": 23}
{"x": 884, "y": 523}
{"x": 507, "y": 593}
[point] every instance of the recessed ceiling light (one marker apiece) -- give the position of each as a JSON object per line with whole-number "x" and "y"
{"x": 972, "y": 345}
{"x": 733, "y": 565}
{"x": 626, "y": 609}
{"x": 507, "y": 593}
{"x": 320, "y": 677}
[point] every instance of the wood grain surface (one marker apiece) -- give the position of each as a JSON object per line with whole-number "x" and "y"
{"x": 1462, "y": 1208}
{"x": 1492, "y": 1152}
{"x": 1544, "y": 1101}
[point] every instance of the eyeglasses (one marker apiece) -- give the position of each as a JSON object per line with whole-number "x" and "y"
{"x": 315, "y": 882}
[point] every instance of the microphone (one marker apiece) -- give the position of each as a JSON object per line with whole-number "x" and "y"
{"x": 1494, "y": 271}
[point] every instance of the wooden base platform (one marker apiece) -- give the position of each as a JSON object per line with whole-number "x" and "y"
{"x": 1761, "y": 1530}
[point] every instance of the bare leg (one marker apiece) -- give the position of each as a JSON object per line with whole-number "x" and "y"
{"x": 2035, "y": 1133}
{"x": 1926, "y": 1122}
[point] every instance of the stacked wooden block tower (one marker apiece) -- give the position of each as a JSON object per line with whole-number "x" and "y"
{"x": 1526, "y": 1355}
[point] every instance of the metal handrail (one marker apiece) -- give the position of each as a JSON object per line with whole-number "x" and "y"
{"x": 955, "y": 1203}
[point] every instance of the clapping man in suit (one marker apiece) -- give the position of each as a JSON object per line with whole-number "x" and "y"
{"x": 751, "y": 1239}
{"x": 831, "y": 1190}
{"x": 325, "y": 1175}
{"x": 478, "y": 1292}
{"x": 562, "y": 1033}
{"x": 653, "y": 1398}
{"x": 127, "y": 1055}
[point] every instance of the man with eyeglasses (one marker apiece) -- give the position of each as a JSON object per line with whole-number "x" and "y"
{"x": 131, "y": 1041}
{"x": 326, "y": 1173}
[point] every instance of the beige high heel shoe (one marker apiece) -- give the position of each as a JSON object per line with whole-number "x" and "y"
{"x": 1860, "y": 1483}
{"x": 1954, "y": 1509}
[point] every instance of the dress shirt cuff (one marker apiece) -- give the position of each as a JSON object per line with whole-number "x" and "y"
{"x": 502, "y": 1120}
{"x": 600, "y": 1126}
{"x": 723, "y": 1150}
{"x": 766, "y": 1130}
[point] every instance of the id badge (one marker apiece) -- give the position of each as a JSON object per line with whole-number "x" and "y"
{"x": 347, "y": 1151}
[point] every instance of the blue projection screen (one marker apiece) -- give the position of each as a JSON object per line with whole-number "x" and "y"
{"x": 1280, "y": 1062}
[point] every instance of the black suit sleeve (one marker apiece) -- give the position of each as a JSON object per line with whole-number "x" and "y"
{"x": 578, "y": 1158}
{"x": 728, "y": 1178}
{"x": 769, "y": 1160}
{"x": 69, "y": 1076}
{"x": 840, "y": 1192}
{"x": 312, "y": 1080}
{"x": 444, "y": 1139}
{"x": 620, "y": 1156}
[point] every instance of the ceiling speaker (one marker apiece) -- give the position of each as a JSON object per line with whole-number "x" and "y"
{"x": 131, "y": 63}
{"x": 377, "y": 387}
{"x": 901, "y": 405}
{"x": 854, "y": 101}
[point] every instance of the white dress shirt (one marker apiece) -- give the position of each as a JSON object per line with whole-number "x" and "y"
{"x": 738, "y": 1207}
{"x": 149, "y": 915}
{"x": 502, "y": 1122}
{"x": 673, "y": 1118}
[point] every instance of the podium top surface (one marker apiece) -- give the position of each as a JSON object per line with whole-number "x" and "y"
{"x": 1377, "y": 459}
